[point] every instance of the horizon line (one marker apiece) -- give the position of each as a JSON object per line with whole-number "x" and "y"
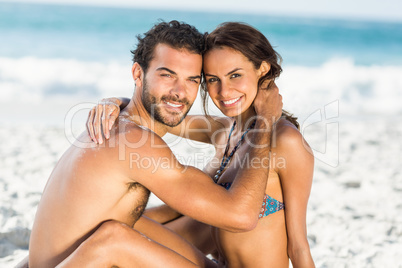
{"x": 306, "y": 15}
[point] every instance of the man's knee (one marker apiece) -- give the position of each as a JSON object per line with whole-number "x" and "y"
{"x": 110, "y": 231}
{"x": 103, "y": 242}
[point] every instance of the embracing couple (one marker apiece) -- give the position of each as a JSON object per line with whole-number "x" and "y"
{"x": 247, "y": 208}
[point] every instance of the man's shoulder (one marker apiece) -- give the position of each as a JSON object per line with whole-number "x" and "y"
{"x": 126, "y": 141}
{"x": 133, "y": 134}
{"x": 132, "y": 138}
{"x": 144, "y": 154}
{"x": 123, "y": 136}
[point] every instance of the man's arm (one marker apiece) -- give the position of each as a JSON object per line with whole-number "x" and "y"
{"x": 200, "y": 128}
{"x": 162, "y": 214}
{"x": 193, "y": 193}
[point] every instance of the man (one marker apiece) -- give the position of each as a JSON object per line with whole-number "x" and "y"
{"x": 96, "y": 194}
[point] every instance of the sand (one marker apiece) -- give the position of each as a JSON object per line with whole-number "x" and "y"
{"x": 354, "y": 214}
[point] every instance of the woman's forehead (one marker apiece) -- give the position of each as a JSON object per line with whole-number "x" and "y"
{"x": 225, "y": 58}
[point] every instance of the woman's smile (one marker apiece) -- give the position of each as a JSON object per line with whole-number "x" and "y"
{"x": 231, "y": 102}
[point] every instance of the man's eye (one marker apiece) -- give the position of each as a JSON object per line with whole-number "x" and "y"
{"x": 195, "y": 81}
{"x": 166, "y": 75}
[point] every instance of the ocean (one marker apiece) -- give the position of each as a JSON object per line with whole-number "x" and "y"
{"x": 342, "y": 78}
{"x": 54, "y": 53}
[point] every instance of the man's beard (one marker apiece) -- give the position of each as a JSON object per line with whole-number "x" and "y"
{"x": 151, "y": 105}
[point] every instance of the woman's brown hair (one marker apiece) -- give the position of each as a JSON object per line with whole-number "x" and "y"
{"x": 253, "y": 45}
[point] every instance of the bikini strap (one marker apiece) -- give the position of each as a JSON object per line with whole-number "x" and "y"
{"x": 230, "y": 134}
{"x": 226, "y": 159}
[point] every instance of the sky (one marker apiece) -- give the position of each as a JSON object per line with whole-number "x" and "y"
{"x": 388, "y": 10}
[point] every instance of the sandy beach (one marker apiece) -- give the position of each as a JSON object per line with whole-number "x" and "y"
{"x": 342, "y": 78}
{"x": 355, "y": 209}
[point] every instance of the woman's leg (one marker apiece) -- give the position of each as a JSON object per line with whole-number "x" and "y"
{"x": 184, "y": 235}
{"x": 116, "y": 244}
{"x": 195, "y": 232}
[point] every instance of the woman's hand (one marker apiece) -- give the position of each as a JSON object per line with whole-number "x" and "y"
{"x": 101, "y": 119}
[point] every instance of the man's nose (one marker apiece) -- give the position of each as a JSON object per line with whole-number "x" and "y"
{"x": 179, "y": 90}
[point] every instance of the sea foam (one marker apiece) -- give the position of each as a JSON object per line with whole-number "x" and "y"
{"x": 358, "y": 90}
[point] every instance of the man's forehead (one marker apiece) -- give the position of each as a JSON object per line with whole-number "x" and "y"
{"x": 163, "y": 49}
{"x": 166, "y": 56}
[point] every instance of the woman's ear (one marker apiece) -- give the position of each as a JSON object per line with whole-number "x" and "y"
{"x": 264, "y": 68}
{"x": 137, "y": 74}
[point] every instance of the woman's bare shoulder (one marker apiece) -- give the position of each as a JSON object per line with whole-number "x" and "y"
{"x": 287, "y": 137}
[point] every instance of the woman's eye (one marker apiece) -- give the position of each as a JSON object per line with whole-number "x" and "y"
{"x": 211, "y": 80}
{"x": 235, "y": 75}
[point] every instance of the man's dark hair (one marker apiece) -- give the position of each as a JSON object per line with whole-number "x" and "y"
{"x": 175, "y": 34}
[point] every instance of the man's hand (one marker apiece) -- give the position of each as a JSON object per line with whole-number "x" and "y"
{"x": 268, "y": 103}
{"x": 101, "y": 119}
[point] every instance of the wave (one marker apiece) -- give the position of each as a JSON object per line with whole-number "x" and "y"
{"x": 34, "y": 79}
{"x": 359, "y": 90}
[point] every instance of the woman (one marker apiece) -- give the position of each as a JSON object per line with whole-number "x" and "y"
{"x": 237, "y": 61}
